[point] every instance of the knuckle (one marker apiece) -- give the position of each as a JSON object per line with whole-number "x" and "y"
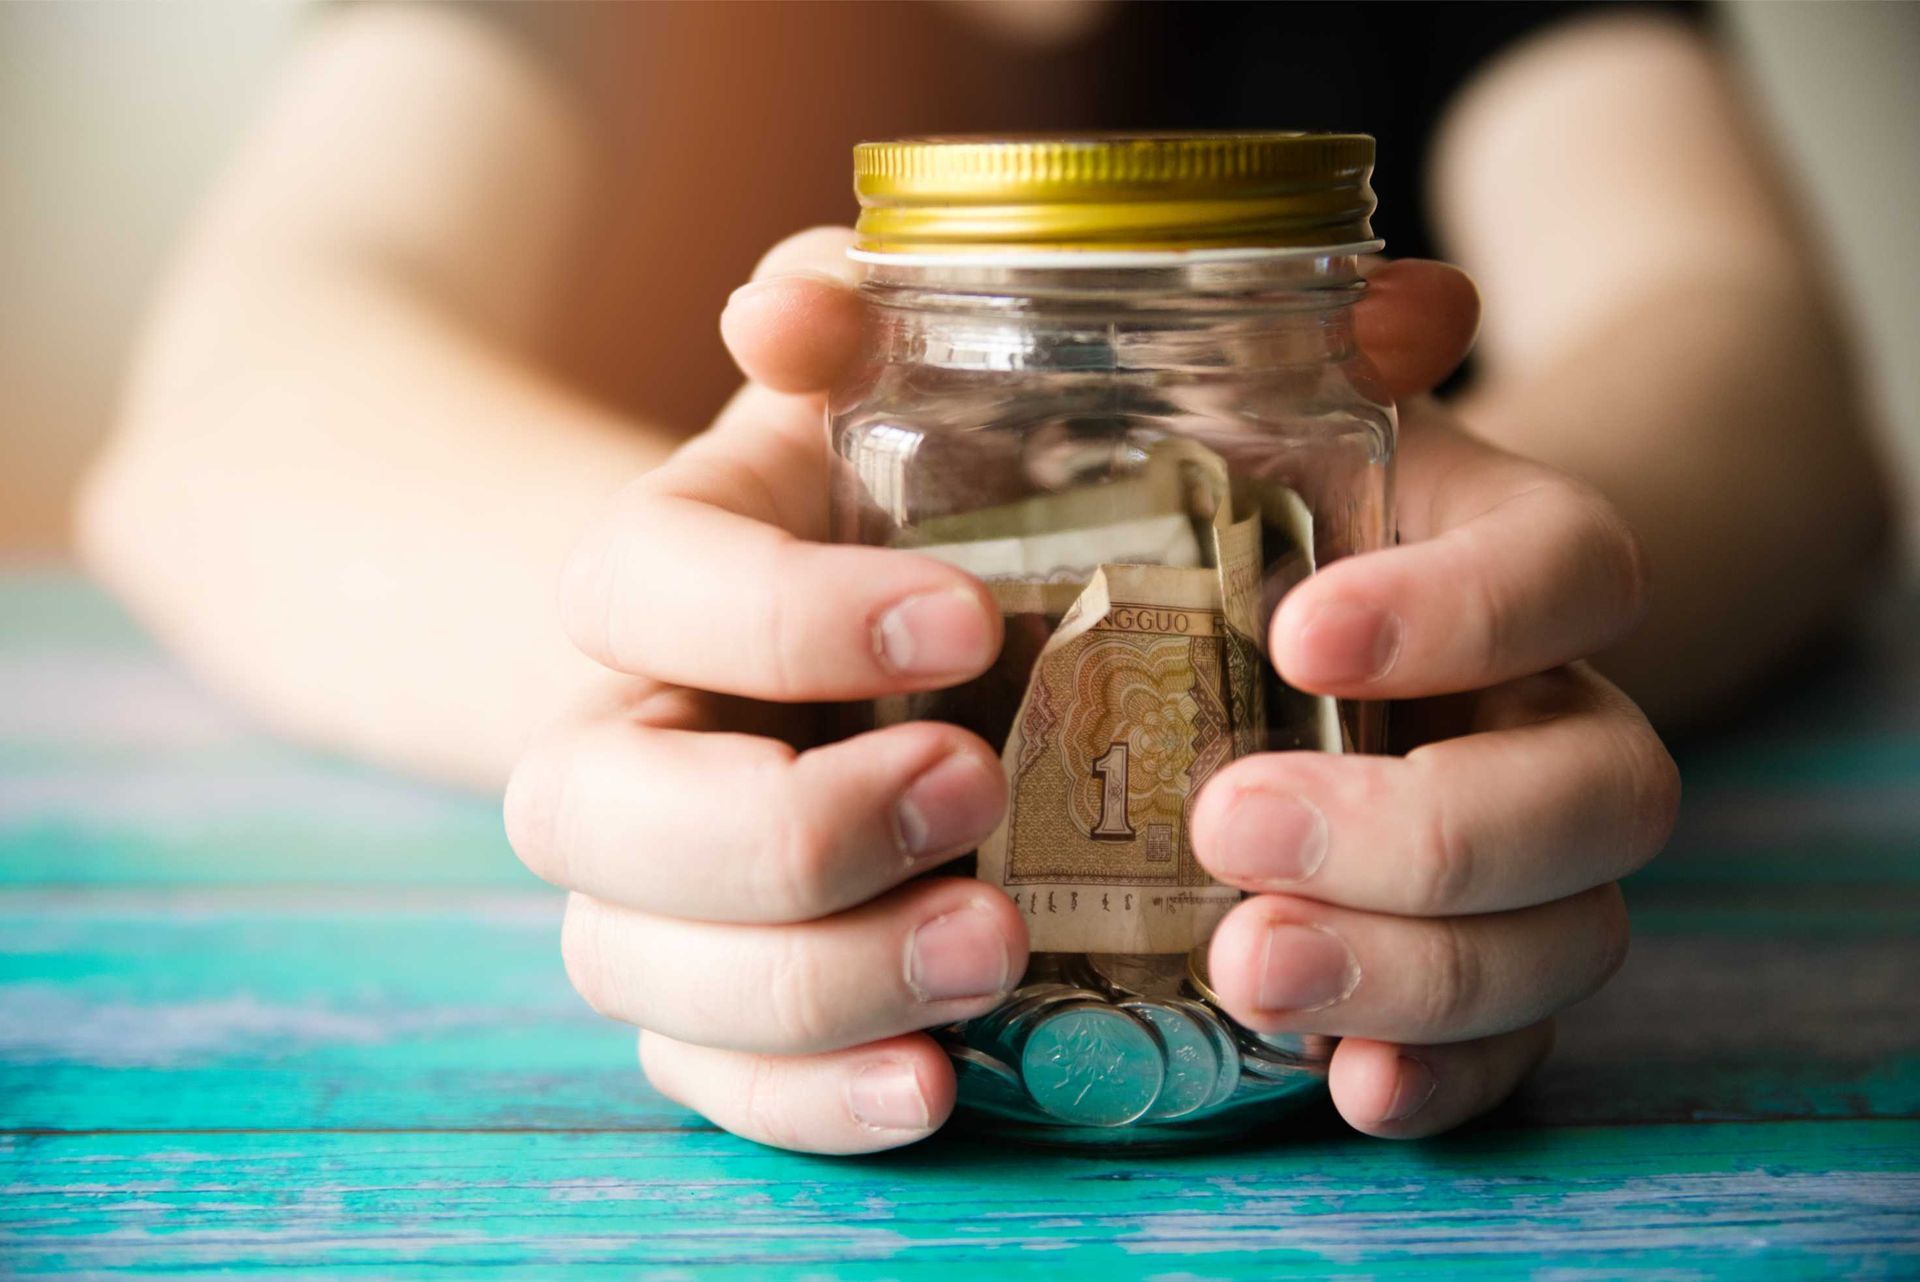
{"x": 800, "y": 850}
{"x": 532, "y": 811}
{"x": 1454, "y": 983}
{"x": 1614, "y": 929}
{"x": 587, "y": 592}
{"x": 1441, "y": 878}
{"x": 656, "y": 1054}
{"x": 799, "y": 1015}
{"x": 583, "y": 953}
{"x": 763, "y": 1105}
{"x": 1615, "y": 548}
{"x": 600, "y": 596}
{"x": 1657, "y": 799}
{"x": 783, "y": 634}
{"x": 1644, "y": 780}
{"x": 1492, "y": 610}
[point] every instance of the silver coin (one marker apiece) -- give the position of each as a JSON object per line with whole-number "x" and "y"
{"x": 1140, "y": 974}
{"x": 1002, "y": 1031}
{"x": 1200, "y": 980}
{"x": 1283, "y": 1051}
{"x": 986, "y": 1083}
{"x": 1275, "y": 1068}
{"x": 1010, "y": 1035}
{"x": 1093, "y": 1064}
{"x": 1221, "y": 1034}
{"x": 1047, "y": 968}
{"x": 1300, "y": 1046}
{"x": 1019, "y": 999}
{"x": 1193, "y": 1060}
{"x": 988, "y": 1064}
{"x": 1074, "y": 970}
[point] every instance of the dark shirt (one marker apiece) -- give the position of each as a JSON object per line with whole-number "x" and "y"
{"x": 1385, "y": 69}
{"x": 730, "y": 125}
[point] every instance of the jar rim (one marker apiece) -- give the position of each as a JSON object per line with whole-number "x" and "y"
{"x": 1059, "y": 259}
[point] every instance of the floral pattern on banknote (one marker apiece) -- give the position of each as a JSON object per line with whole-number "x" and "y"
{"x": 1138, "y": 692}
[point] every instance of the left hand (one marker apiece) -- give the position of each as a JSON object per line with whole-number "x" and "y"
{"x": 1434, "y": 910}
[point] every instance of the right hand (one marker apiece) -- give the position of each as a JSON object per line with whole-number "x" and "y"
{"x": 737, "y": 893}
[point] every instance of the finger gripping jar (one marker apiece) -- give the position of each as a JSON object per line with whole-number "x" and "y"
{"x": 1115, "y": 378}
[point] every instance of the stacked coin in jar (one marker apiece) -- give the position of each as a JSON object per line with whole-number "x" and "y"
{"x": 1108, "y": 1040}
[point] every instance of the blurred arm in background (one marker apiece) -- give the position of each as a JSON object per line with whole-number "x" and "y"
{"x": 1657, "y": 324}
{"x": 340, "y": 484}
{"x": 342, "y": 487}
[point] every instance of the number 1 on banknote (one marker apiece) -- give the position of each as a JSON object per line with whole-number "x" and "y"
{"x": 1111, "y": 770}
{"x": 1152, "y": 679}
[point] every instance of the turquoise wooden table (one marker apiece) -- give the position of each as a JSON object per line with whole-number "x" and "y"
{"x": 265, "y": 1012}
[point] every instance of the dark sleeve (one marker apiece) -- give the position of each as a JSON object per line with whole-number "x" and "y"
{"x": 1387, "y": 69}
{"x": 1454, "y": 44}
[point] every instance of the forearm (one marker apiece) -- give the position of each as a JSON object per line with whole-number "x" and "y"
{"x": 341, "y": 487}
{"x": 1657, "y": 324}
{"x": 357, "y": 526}
{"x": 1720, "y": 417}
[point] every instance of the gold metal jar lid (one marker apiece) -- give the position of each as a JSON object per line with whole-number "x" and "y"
{"x": 1114, "y": 192}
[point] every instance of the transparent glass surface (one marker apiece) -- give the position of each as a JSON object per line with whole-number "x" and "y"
{"x": 1197, "y": 436}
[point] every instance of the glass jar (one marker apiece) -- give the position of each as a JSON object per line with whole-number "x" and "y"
{"x": 1116, "y": 379}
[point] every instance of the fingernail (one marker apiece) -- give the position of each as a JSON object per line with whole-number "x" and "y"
{"x": 1271, "y": 838}
{"x": 951, "y": 806}
{"x": 934, "y": 634}
{"x": 1417, "y": 1085}
{"x": 886, "y": 1096}
{"x": 1347, "y": 641}
{"x": 957, "y": 954}
{"x": 1304, "y": 968}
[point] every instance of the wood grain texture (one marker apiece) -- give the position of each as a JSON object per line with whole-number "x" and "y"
{"x": 265, "y": 1012}
{"x": 438, "y": 1008}
{"x": 1700, "y": 1201}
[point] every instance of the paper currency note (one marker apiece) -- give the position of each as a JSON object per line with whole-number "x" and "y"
{"x": 1134, "y": 667}
{"x": 1164, "y": 514}
{"x": 1300, "y": 720}
{"x": 1127, "y": 713}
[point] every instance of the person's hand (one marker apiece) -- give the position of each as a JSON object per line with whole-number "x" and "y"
{"x": 1434, "y": 910}
{"x": 738, "y": 893}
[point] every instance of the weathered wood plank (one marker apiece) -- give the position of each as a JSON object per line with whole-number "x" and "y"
{"x": 1771, "y": 979}
{"x": 116, "y": 768}
{"x": 1738, "y": 1200}
{"x": 439, "y": 1008}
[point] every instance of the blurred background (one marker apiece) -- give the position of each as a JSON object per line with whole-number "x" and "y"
{"x": 114, "y": 117}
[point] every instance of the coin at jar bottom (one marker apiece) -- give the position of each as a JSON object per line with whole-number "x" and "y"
{"x": 1139, "y": 975}
{"x": 983, "y": 1030}
{"x": 1199, "y": 979}
{"x": 987, "y": 1083}
{"x": 1003, "y": 1031}
{"x": 1217, "y": 1029}
{"x": 1192, "y": 1060}
{"x": 1093, "y": 1065}
{"x": 1300, "y": 1047}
